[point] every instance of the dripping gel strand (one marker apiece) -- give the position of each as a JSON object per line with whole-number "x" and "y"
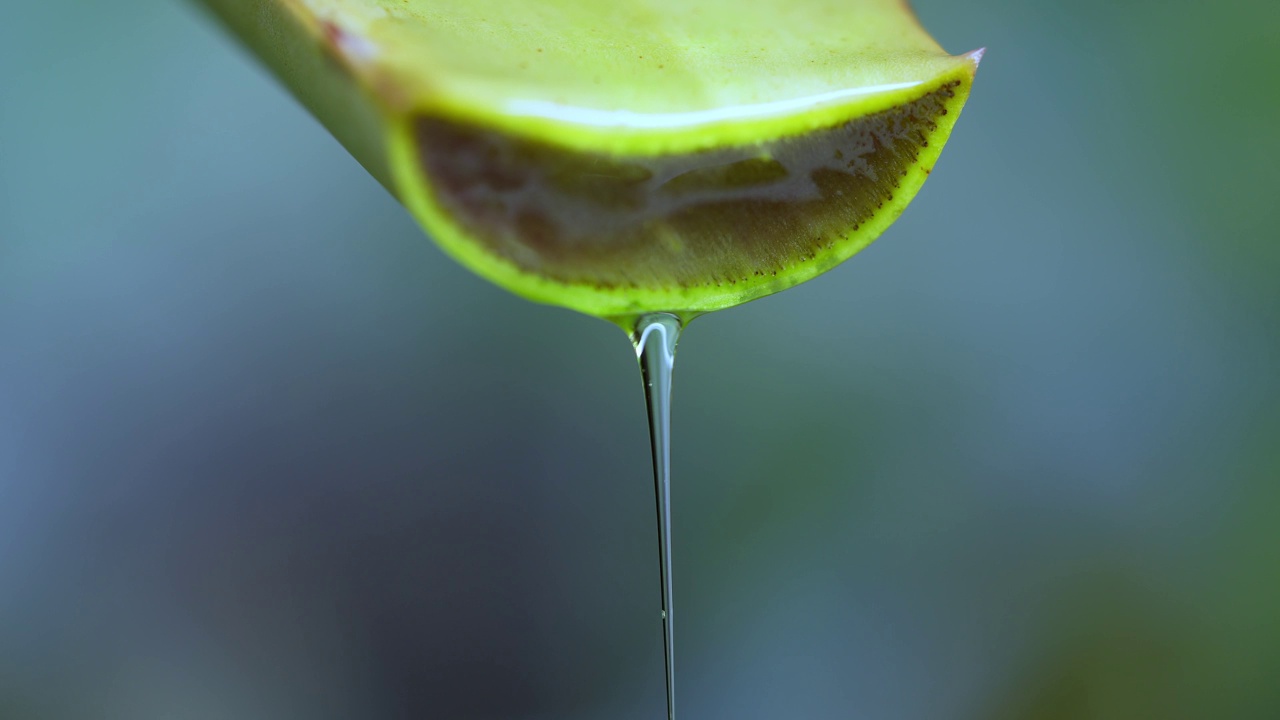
{"x": 655, "y": 339}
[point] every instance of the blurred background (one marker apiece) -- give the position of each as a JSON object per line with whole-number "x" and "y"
{"x": 265, "y": 452}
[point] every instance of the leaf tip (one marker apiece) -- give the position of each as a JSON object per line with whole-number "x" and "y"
{"x": 976, "y": 56}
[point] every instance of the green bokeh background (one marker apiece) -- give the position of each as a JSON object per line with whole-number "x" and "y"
{"x": 266, "y": 453}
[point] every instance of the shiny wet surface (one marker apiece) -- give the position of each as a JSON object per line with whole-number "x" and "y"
{"x": 709, "y": 218}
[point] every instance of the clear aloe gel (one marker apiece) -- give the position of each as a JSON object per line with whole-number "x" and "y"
{"x": 655, "y": 338}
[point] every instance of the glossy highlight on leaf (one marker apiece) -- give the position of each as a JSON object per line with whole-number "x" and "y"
{"x": 621, "y": 157}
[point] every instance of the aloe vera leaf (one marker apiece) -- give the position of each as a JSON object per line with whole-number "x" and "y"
{"x": 620, "y": 157}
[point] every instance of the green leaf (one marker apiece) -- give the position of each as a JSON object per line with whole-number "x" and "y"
{"x": 620, "y": 157}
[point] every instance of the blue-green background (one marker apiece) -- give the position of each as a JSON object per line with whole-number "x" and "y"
{"x": 266, "y": 453}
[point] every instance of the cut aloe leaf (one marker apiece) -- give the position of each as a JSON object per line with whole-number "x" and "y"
{"x": 621, "y": 157}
